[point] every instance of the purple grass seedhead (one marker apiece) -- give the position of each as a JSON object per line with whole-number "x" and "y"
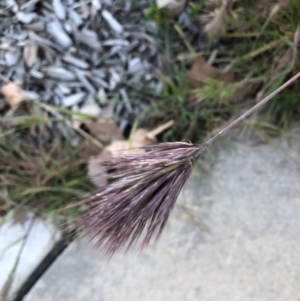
{"x": 141, "y": 190}
{"x": 139, "y": 196}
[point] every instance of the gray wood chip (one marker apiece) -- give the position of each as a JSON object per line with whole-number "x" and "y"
{"x": 36, "y": 74}
{"x": 135, "y": 65}
{"x": 88, "y": 38}
{"x": 25, "y": 18}
{"x": 113, "y": 23}
{"x": 12, "y": 5}
{"x": 96, "y": 4}
{"x": 59, "y": 73}
{"x": 56, "y": 31}
{"x": 75, "y": 17}
{"x": 36, "y": 26}
{"x": 73, "y": 99}
{"x": 82, "y": 78}
{"x": 74, "y": 48}
{"x": 11, "y": 58}
{"x": 59, "y": 9}
{"x": 75, "y": 61}
{"x": 64, "y": 88}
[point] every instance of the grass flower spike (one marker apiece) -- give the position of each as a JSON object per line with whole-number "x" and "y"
{"x": 135, "y": 201}
{"x": 139, "y": 195}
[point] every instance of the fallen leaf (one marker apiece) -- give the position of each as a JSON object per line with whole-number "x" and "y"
{"x": 138, "y": 139}
{"x": 87, "y": 150}
{"x": 105, "y": 131}
{"x": 201, "y": 70}
{"x": 152, "y": 134}
{"x": 131, "y": 146}
{"x": 97, "y": 172}
{"x": 12, "y": 94}
{"x": 174, "y": 6}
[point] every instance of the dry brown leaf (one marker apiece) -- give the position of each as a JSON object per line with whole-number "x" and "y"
{"x": 96, "y": 171}
{"x": 138, "y": 139}
{"x": 201, "y": 70}
{"x": 105, "y": 131}
{"x": 174, "y": 6}
{"x": 12, "y": 94}
{"x": 131, "y": 146}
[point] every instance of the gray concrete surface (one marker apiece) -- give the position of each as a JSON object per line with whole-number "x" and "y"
{"x": 41, "y": 239}
{"x": 251, "y": 204}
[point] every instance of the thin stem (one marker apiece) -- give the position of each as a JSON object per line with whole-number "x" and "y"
{"x": 250, "y": 111}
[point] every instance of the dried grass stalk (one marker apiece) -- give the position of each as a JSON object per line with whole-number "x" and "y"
{"x": 139, "y": 193}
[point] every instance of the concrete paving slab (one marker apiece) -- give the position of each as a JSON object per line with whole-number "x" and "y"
{"x": 41, "y": 238}
{"x": 251, "y": 204}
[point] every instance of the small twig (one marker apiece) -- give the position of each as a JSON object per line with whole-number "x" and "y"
{"x": 59, "y": 116}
